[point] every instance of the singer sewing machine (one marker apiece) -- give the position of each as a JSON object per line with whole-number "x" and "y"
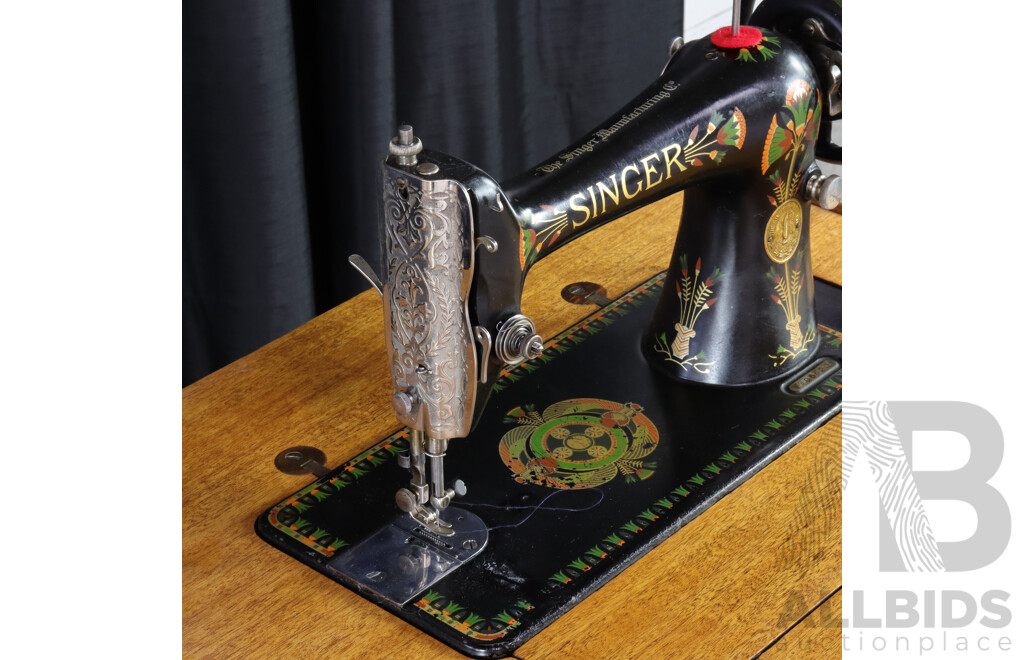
{"x": 530, "y": 472}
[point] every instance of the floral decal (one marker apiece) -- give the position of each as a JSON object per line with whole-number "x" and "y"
{"x": 788, "y": 136}
{"x": 730, "y": 134}
{"x": 787, "y": 287}
{"x": 579, "y": 443}
{"x": 650, "y": 521}
{"x": 783, "y": 159}
{"x": 766, "y": 49}
{"x": 694, "y": 299}
{"x": 471, "y": 624}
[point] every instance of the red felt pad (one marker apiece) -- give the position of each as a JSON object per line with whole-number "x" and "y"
{"x": 746, "y": 37}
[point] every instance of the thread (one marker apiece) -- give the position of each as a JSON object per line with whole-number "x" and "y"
{"x": 540, "y": 505}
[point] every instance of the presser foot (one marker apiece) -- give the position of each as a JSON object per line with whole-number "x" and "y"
{"x": 430, "y": 518}
{"x": 405, "y": 557}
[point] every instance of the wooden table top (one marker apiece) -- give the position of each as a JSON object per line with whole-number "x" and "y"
{"x": 758, "y": 573}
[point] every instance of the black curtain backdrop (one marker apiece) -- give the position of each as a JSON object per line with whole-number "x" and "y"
{"x": 288, "y": 108}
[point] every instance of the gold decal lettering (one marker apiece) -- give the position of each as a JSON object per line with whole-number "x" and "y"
{"x": 579, "y": 208}
{"x": 639, "y": 183}
{"x": 605, "y": 190}
{"x": 618, "y": 188}
{"x": 674, "y": 158}
{"x": 649, "y": 170}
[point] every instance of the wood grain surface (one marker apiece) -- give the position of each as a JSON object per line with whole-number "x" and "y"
{"x": 725, "y": 586}
{"x": 817, "y": 636}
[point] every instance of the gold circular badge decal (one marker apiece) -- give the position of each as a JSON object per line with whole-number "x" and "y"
{"x": 782, "y": 234}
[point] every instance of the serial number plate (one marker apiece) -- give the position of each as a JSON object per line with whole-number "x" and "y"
{"x": 811, "y": 377}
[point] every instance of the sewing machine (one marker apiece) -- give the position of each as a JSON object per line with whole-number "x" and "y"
{"x": 613, "y": 434}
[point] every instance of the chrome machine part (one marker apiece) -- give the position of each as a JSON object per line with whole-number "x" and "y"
{"x": 518, "y": 340}
{"x": 436, "y": 447}
{"x": 826, "y": 191}
{"x": 677, "y": 43}
{"x": 425, "y": 497}
{"x": 405, "y": 146}
{"x": 484, "y": 339}
{"x": 366, "y": 271}
{"x": 417, "y": 465}
{"x": 487, "y": 243}
{"x": 403, "y": 403}
{"x": 429, "y": 260}
{"x": 402, "y": 559}
{"x": 673, "y": 48}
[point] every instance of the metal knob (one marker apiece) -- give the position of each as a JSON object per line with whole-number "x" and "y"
{"x": 405, "y": 146}
{"x": 403, "y": 403}
{"x": 459, "y": 487}
{"x": 827, "y": 191}
{"x": 831, "y": 194}
{"x": 405, "y": 500}
{"x": 534, "y": 347}
{"x": 518, "y": 340}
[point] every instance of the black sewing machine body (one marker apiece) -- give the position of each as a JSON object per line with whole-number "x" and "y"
{"x": 741, "y": 156}
{"x": 712, "y": 369}
{"x": 668, "y": 139}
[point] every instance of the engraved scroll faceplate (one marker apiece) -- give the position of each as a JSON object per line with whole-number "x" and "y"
{"x": 428, "y": 238}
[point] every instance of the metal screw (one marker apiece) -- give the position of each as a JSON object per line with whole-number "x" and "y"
{"x": 470, "y": 544}
{"x": 427, "y": 169}
{"x": 403, "y": 403}
{"x": 585, "y": 293}
{"x": 405, "y": 500}
{"x": 301, "y": 460}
